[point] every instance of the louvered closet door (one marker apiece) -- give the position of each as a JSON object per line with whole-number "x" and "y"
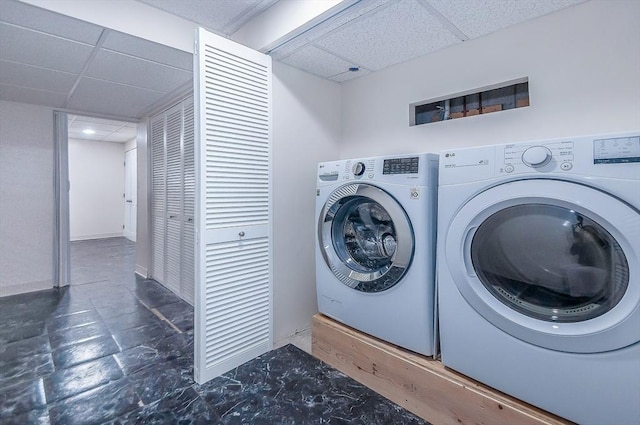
{"x": 173, "y": 257}
{"x": 158, "y": 198}
{"x": 233, "y": 262}
{"x": 187, "y": 287}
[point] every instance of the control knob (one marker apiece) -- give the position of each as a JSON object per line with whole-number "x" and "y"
{"x": 358, "y": 169}
{"x": 536, "y": 156}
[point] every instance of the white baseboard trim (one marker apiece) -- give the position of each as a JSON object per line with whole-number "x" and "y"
{"x": 98, "y": 236}
{"x": 142, "y": 272}
{"x": 23, "y": 288}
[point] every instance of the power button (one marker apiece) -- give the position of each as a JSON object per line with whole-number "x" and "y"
{"x": 508, "y": 168}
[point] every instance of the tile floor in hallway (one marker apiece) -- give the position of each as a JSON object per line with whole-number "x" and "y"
{"x": 118, "y": 349}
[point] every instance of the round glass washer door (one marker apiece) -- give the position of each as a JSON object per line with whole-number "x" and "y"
{"x": 559, "y": 271}
{"x": 365, "y": 237}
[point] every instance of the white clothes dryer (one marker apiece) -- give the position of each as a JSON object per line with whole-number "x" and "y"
{"x": 375, "y": 246}
{"x": 539, "y": 272}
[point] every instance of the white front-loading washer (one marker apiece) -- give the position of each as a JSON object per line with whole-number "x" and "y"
{"x": 375, "y": 246}
{"x": 539, "y": 272}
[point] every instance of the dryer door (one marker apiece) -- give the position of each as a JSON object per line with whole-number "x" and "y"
{"x": 365, "y": 237}
{"x": 550, "y": 262}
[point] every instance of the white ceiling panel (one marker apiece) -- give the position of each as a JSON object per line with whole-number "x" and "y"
{"x": 134, "y": 46}
{"x": 18, "y": 74}
{"x": 124, "y": 69}
{"x": 316, "y": 61}
{"x": 479, "y": 17}
{"x": 221, "y": 16}
{"x": 28, "y": 16}
{"x": 340, "y": 19}
{"x": 104, "y": 130}
{"x": 38, "y": 49}
{"x": 401, "y": 31}
{"x": 106, "y": 98}
{"x": 33, "y": 96}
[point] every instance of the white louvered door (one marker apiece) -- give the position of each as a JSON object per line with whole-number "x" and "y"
{"x": 187, "y": 287}
{"x": 172, "y": 199}
{"x": 173, "y": 258}
{"x": 233, "y": 211}
{"x": 158, "y": 198}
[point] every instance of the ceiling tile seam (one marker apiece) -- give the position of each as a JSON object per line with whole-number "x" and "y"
{"x": 37, "y": 67}
{"x": 106, "y": 49}
{"x": 124, "y": 85}
{"x": 324, "y": 49}
{"x": 245, "y": 16}
{"x": 443, "y": 20}
{"x": 32, "y": 88}
{"x": 167, "y": 101}
{"x": 103, "y": 36}
{"x": 48, "y": 34}
{"x": 351, "y": 9}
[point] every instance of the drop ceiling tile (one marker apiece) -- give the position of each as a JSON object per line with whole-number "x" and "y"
{"x": 105, "y": 130}
{"x": 318, "y": 62}
{"x": 134, "y": 46}
{"x": 480, "y": 17}
{"x": 28, "y": 16}
{"x": 111, "y": 66}
{"x": 33, "y": 96}
{"x": 212, "y": 14}
{"x": 37, "y": 49}
{"x": 401, "y": 31}
{"x": 103, "y": 98}
{"x": 316, "y": 32}
{"x": 98, "y": 135}
{"x": 118, "y": 137}
{"x": 18, "y": 74}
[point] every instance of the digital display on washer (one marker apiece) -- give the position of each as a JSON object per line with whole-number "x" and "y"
{"x": 400, "y": 166}
{"x": 619, "y": 150}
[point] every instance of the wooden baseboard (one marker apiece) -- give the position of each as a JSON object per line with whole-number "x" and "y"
{"x": 417, "y": 383}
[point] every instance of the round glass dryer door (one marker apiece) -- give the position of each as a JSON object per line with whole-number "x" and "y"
{"x": 550, "y": 263}
{"x": 366, "y": 237}
{"x": 553, "y": 263}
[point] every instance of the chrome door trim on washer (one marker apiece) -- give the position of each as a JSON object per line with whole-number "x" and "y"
{"x": 392, "y": 247}
{"x": 614, "y": 329}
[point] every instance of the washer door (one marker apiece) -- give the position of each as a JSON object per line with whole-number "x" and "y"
{"x": 550, "y": 262}
{"x": 365, "y": 237}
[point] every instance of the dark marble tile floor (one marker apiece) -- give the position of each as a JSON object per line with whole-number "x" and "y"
{"x": 100, "y": 353}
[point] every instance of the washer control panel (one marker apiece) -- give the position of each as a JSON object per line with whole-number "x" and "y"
{"x": 522, "y": 158}
{"x": 416, "y": 169}
{"x": 401, "y": 165}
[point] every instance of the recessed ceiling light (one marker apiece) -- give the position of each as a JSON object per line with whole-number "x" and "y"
{"x": 88, "y": 131}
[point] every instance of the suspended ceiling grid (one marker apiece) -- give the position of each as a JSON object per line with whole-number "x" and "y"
{"x": 57, "y": 61}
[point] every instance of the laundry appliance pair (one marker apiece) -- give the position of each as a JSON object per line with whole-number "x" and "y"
{"x": 539, "y": 272}
{"x": 375, "y": 246}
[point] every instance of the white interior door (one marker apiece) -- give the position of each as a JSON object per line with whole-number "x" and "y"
{"x": 130, "y": 194}
{"x": 233, "y": 308}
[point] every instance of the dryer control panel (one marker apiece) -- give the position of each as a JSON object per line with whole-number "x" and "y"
{"x": 616, "y": 150}
{"x": 610, "y": 156}
{"x": 522, "y": 157}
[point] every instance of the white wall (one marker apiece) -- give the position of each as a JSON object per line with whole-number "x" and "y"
{"x": 26, "y": 198}
{"x": 96, "y": 174}
{"x": 583, "y": 65}
{"x": 306, "y": 130}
